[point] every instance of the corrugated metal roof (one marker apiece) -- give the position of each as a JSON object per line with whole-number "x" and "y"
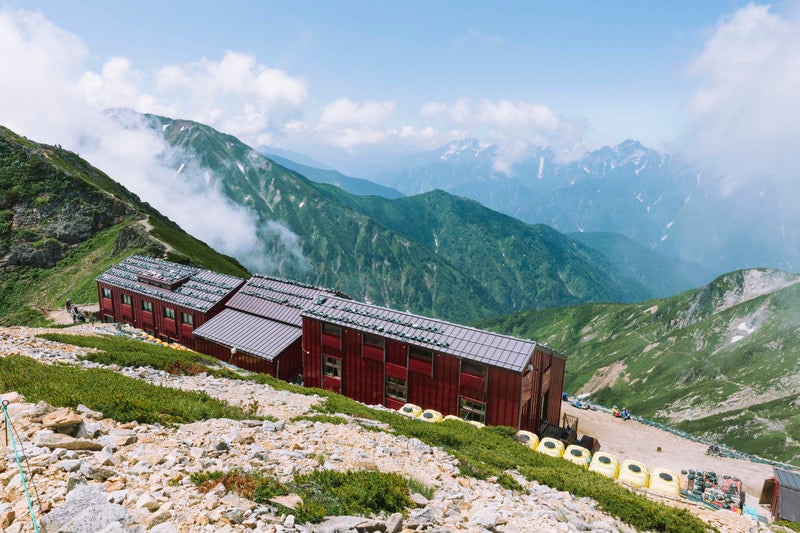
{"x": 276, "y": 299}
{"x": 201, "y": 290}
{"x": 468, "y": 343}
{"x": 787, "y": 479}
{"x": 248, "y": 333}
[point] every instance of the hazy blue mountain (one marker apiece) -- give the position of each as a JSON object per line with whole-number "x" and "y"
{"x": 352, "y": 185}
{"x": 653, "y": 198}
{"x": 663, "y": 276}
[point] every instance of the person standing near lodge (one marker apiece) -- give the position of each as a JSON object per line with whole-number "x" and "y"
{"x": 74, "y": 312}
{"x": 69, "y": 305}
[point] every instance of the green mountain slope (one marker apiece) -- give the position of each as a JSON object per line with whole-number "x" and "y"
{"x": 663, "y": 276}
{"x": 435, "y": 254}
{"x": 722, "y": 361}
{"x": 62, "y": 222}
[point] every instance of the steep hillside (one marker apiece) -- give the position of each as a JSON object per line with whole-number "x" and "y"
{"x": 435, "y": 254}
{"x": 62, "y": 222}
{"x": 722, "y": 361}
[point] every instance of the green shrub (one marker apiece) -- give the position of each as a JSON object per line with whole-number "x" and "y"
{"x": 119, "y": 397}
{"x": 324, "y": 492}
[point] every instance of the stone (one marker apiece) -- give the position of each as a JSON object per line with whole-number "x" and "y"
{"x": 62, "y": 420}
{"x": 49, "y": 439}
{"x": 292, "y": 501}
{"x": 7, "y": 515}
{"x": 85, "y": 510}
{"x": 146, "y": 501}
{"x": 165, "y": 527}
{"x": 96, "y": 473}
{"x": 394, "y": 524}
{"x": 89, "y": 413}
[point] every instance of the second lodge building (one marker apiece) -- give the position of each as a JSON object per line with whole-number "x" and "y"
{"x": 372, "y": 354}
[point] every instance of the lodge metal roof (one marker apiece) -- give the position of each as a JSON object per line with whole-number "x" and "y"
{"x": 199, "y": 289}
{"x": 786, "y": 479}
{"x": 276, "y": 299}
{"x": 248, "y": 333}
{"x": 468, "y": 343}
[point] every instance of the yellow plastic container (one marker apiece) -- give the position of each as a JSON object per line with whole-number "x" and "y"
{"x": 578, "y": 455}
{"x": 633, "y": 473}
{"x": 605, "y": 463}
{"x": 664, "y": 481}
{"x": 410, "y": 410}
{"x": 431, "y": 415}
{"x": 453, "y": 417}
{"x": 550, "y": 446}
{"x": 531, "y": 440}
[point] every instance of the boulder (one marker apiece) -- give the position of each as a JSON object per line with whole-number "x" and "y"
{"x": 86, "y": 510}
{"x": 63, "y": 420}
{"x": 49, "y": 439}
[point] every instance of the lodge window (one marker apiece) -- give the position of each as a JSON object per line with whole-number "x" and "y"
{"x": 396, "y": 389}
{"x": 332, "y": 366}
{"x": 187, "y": 318}
{"x": 473, "y": 379}
{"x": 470, "y": 409}
{"x": 373, "y": 347}
{"x": 331, "y": 336}
{"x": 420, "y": 361}
{"x": 147, "y": 306}
{"x": 169, "y": 313}
{"x": 125, "y": 299}
{"x": 106, "y": 292}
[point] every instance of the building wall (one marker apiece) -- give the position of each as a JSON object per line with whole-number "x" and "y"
{"x": 438, "y": 383}
{"x": 154, "y": 322}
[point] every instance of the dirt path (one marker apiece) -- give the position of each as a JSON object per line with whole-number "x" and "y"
{"x": 658, "y": 448}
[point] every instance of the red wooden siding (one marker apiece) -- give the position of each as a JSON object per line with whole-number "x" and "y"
{"x": 502, "y": 397}
{"x": 312, "y": 352}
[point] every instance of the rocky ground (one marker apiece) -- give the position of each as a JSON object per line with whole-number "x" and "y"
{"x": 90, "y": 473}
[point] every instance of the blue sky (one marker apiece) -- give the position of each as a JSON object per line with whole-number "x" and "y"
{"x": 348, "y": 78}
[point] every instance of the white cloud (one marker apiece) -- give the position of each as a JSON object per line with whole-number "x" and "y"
{"x": 514, "y": 126}
{"x": 745, "y": 112}
{"x": 48, "y": 95}
{"x": 236, "y": 95}
{"x": 349, "y": 113}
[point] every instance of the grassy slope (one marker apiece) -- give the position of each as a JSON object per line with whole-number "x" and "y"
{"x": 683, "y": 362}
{"x": 45, "y": 176}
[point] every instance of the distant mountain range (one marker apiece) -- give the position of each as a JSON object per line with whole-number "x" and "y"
{"x": 655, "y": 199}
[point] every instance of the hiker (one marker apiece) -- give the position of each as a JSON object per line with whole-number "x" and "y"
{"x": 74, "y": 312}
{"x": 625, "y": 415}
{"x": 615, "y": 411}
{"x": 69, "y": 305}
